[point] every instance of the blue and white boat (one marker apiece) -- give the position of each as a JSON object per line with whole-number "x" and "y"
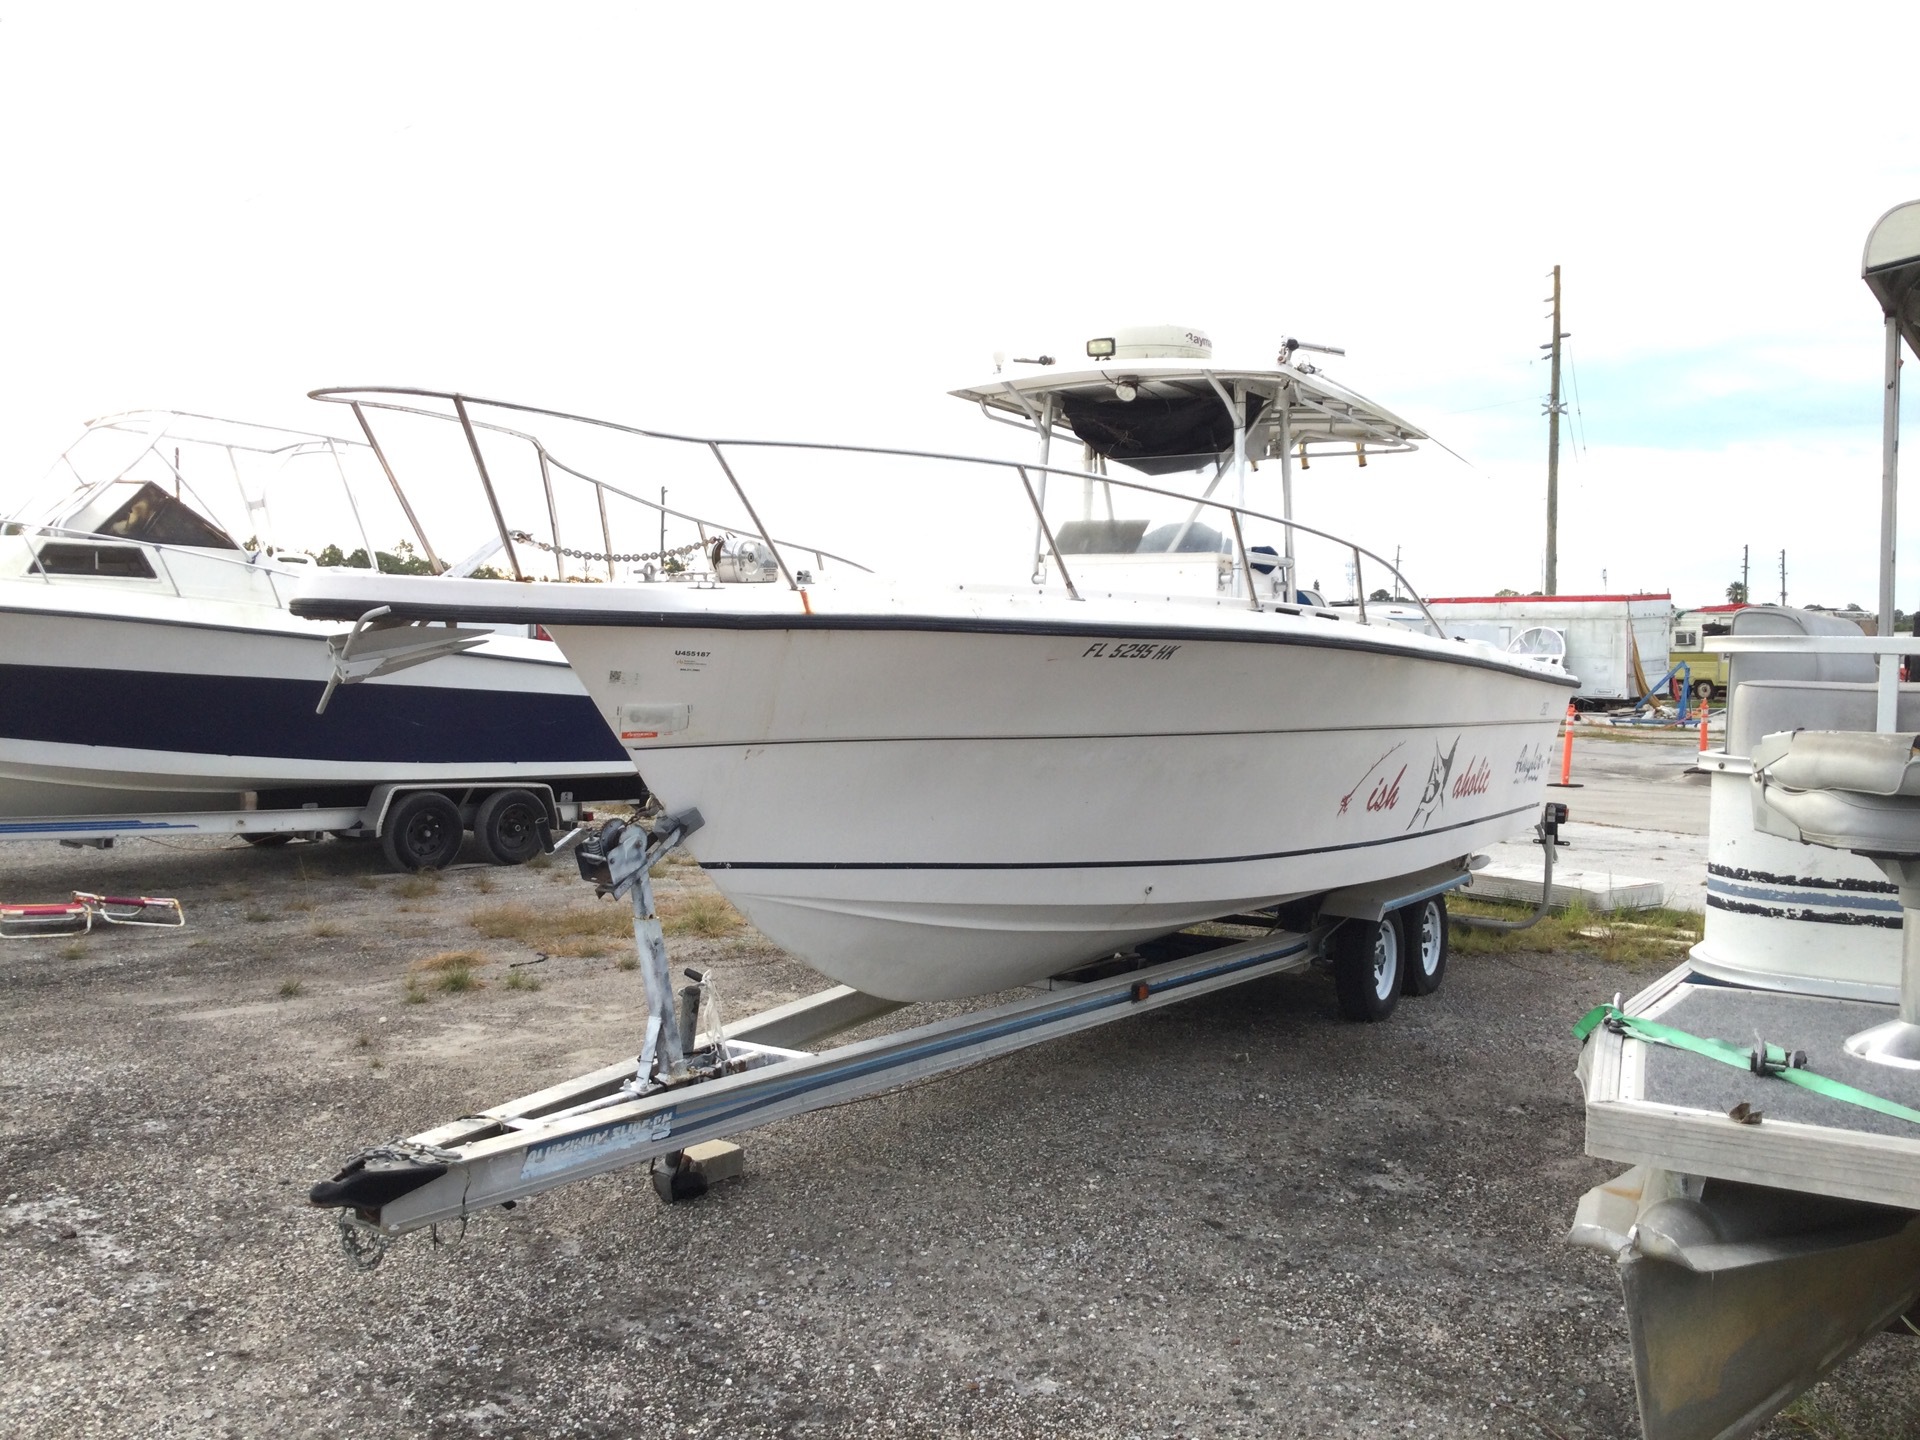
{"x": 148, "y": 662}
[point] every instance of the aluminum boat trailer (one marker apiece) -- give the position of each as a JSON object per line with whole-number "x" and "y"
{"x": 691, "y": 1085}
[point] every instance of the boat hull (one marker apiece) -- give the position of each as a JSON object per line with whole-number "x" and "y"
{"x": 927, "y": 812}
{"x": 188, "y": 706}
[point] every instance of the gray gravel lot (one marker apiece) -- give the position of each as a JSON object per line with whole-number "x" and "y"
{"x": 1236, "y": 1216}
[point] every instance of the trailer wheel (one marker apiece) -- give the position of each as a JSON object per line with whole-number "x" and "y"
{"x": 510, "y": 827}
{"x": 1703, "y": 691}
{"x": 423, "y": 832}
{"x": 1428, "y": 941}
{"x": 1366, "y": 956}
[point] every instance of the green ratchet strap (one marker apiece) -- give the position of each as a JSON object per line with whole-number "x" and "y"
{"x": 1778, "y": 1063}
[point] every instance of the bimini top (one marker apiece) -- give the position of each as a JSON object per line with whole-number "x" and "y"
{"x": 1155, "y": 399}
{"x": 1891, "y": 267}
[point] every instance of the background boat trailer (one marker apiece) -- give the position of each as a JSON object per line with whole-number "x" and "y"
{"x": 691, "y": 1086}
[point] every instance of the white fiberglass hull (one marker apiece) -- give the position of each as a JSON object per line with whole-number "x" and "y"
{"x": 115, "y": 705}
{"x": 925, "y": 803}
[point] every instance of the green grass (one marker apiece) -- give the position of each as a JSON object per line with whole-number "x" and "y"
{"x": 325, "y": 929}
{"x": 291, "y": 988}
{"x": 72, "y": 950}
{"x": 450, "y": 971}
{"x": 521, "y": 980}
{"x": 1631, "y": 938}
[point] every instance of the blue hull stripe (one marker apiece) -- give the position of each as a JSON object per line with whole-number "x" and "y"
{"x": 256, "y": 715}
{"x": 1811, "y": 895}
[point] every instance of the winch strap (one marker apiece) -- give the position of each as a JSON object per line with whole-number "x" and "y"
{"x": 1727, "y": 1054}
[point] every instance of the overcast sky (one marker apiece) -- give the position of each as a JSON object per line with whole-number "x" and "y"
{"x": 814, "y": 220}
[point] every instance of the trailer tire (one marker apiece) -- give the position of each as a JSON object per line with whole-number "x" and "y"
{"x": 511, "y": 827}
{"x": 1427, "y": 942}
{"x": 1703, "y": 691}
{"x": 423, "y": 832}
{"x": 1367, "y": 958}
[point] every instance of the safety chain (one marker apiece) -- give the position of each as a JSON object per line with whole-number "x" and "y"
{"x": 367, "y": 1247}
{"x": 526, "y": 539}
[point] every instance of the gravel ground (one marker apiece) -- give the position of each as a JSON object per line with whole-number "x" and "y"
{"x": 1235, "y": 1216}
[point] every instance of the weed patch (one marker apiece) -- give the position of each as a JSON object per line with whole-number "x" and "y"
{"x": 581, "y": 930}
{"x": 521, "y": 980}
{"x": 260, "y": 917}
{"x": 325, "y": 929}
{"x": 421, "y": 882}
{"x": 290, "y": 988}
{"x": 707, "y": 916}
{"x": 1633, "y": 938}
{"x": 451, "y": 971}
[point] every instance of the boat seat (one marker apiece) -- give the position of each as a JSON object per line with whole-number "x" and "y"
{"x": 1858, "y": 791}
{"x": 1846, "y": 789}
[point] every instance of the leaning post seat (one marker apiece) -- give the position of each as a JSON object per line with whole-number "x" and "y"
{"x": 1782, "y": 915}
{"x": 1858, "y": 791}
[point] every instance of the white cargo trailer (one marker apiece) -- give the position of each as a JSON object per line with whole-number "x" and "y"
{"x": 1616, "y": 644}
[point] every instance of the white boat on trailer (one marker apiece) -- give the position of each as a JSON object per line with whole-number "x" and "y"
{"x": 153, "y": 682}
{"x": 937, "y": 790}
{"x": 1770, "y": 1224}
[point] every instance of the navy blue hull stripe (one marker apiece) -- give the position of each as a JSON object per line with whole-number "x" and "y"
{"x": 257, "y": 715}
{"x": 1100, "y": 864}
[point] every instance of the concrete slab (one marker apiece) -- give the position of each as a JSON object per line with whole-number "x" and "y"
{"x": 1599, "y": 891}
{"x": 1610, "y": 854}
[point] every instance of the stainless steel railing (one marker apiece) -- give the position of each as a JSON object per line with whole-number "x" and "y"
{"x": 403, "y": 400}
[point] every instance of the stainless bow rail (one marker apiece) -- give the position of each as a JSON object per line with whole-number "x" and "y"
{"x": 459, "y": 411}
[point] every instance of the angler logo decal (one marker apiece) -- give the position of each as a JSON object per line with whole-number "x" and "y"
{"x": 1532, "y": 761}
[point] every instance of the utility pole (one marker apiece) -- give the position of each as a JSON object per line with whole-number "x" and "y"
{"x": 1554, "y": 409}
{"x": 1783, "y": 577}
{"x": 1746, "y": 590}
{"x": 663, "y": 527}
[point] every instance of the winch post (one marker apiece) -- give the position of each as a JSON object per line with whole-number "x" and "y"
{"x": 617, "y": 862}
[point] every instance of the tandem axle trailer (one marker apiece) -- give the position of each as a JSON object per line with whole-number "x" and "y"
{"x": 696, "y": 1080}
{"x": 420, "y": 825}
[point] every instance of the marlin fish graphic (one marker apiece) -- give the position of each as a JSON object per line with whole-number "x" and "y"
{"x": 1435, "y": 795}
